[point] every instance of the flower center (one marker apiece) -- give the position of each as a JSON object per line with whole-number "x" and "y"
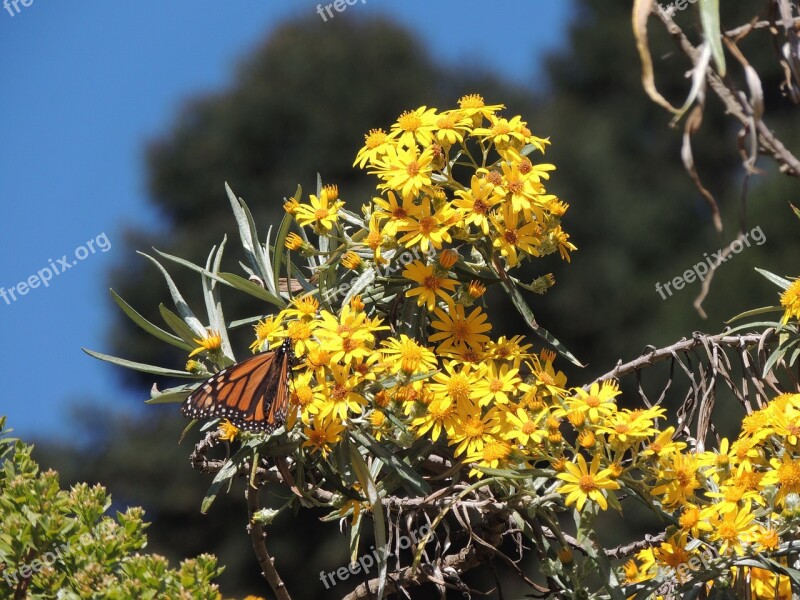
{"x": 587, "y": 484}
{"x": 426, "y": 224}
{"x": 409, "y": 122}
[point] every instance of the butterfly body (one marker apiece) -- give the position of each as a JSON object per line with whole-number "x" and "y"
{"x": 252, "y": 394}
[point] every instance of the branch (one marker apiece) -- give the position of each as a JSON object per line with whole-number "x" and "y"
{"x": 258, "y": 536}
{"x": 698, "y": 339}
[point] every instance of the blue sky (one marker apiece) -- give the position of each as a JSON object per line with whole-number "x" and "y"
{"x": 84, "y": 86}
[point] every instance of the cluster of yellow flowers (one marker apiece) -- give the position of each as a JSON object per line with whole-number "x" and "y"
{"x": 448, "y": 238}
{"x": 493, "y": 402}
{"x": 742, "y": 498}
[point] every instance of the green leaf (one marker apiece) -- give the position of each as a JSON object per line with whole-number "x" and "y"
{"x": 144, "y": 368}
{"x": 795, "y": 210}
{"x": 378, "y": 520}
{"x": 248, "y": 287}
{"x": 709, "y": 18}
{"x": 418, "y": 485}
{"x": 776, "y": 279}
{"x": 216, "y": 318}
{"x": 178, "y": 326}
{"x": 180, "y": 304}
{"x": 171, "y": 395}
{"x": 146, "y": 325}
{"x": 280, "y": 240}
{"x": 249, "y": 236}
{"x": 527, "y": 314}
{"x": 754, "y": 312}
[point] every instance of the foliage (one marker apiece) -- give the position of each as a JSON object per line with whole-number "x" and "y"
{"x": 403, "y": 404}
{"x": 58, "y": 543}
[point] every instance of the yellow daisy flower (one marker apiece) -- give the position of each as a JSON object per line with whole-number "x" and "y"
{"x": 432, "y": 286}
{"x": 790, "y": 300}
{"x": 584, "y": 482}
{"x": 456, "y": 329}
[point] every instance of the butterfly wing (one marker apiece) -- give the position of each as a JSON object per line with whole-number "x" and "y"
{"x": 252, "y": 394}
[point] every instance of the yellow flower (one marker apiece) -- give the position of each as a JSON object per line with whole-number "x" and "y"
{"x": 476, "y": 203}
{"x": 733, "y": 529}
{"x": 497, "y": 384}
{"x": 493, "y": 455}
{"x": 522, "y": 427}
{"x": 598, "y": 402}
{"x": 210, "y": 342}
{"x": 227, "y": 431}
{"x": 351, "y": 260}
{"x": 691, "y": 521}
{"x": 451, "y": 126}
{"x": 404, "y": 170}
{"x": 340, "y": 396}
{"x": 766, "y": 585}
{"x": 346, "y": 338}
{"x": 294, "y": 242}
{"x": 431, "y": 284}
{"x": 456, "y": 329}
{"x": 300, "y": 333}
{"x": 522, "y": 190}
{"x": 471, "y": 430}
{"x": 476, "y": 289}
{"x": 504, "y": 134}
{"x": 427, "y": 229}
{"x": 440, "y": 415}
{"x": 786, "y": 474}
{"x": 322, "y": 434}
{"x": 628, "y": 427}
{"x": 375, "y": 144}
{"x": 679, "y": 477}
{"x": 291, "y": 205}
{"x": 448, "y": 258}
{"x": 512, "y": 236}
{"x": 323, "y": 212}
{"x": 586, "y": 483}
{"x": 266, "y": 331}
{"x": 407, "y": 355}
{"x": 663, "y": 444}
{"x": 790, "y": 300}
{"x": 415, "y": 126}
{"x": 303, "y": 307}
{"x": 473, "y": 106}
{"x": 455, "y": 382}
{"x": 392, "y": 212}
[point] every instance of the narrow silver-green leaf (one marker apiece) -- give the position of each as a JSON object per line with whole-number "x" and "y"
{"x": 216, "y": 318}
{"x": 248, "y": 287}
{"x": 178, "y": 326}
{"x": 277, "y": 253}
{"x": 172, "y": 395}
{"x": 180, "y": 304}
{"x": 709, "y": 19}
{"x": 147, "y": 326}
{"x": 776, "y": 279}
{"x": 136, "y": 366}
{"x": 369, "y": 487}
{"x": 248, "y": 235}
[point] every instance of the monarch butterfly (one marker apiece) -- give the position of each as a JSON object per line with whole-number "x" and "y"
{"x": 253, "y": 394}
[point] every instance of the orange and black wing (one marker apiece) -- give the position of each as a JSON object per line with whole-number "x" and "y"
{"x": 252, "y": 394}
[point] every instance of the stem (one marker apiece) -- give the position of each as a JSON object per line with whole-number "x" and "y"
{"x": 258, "y": 535}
